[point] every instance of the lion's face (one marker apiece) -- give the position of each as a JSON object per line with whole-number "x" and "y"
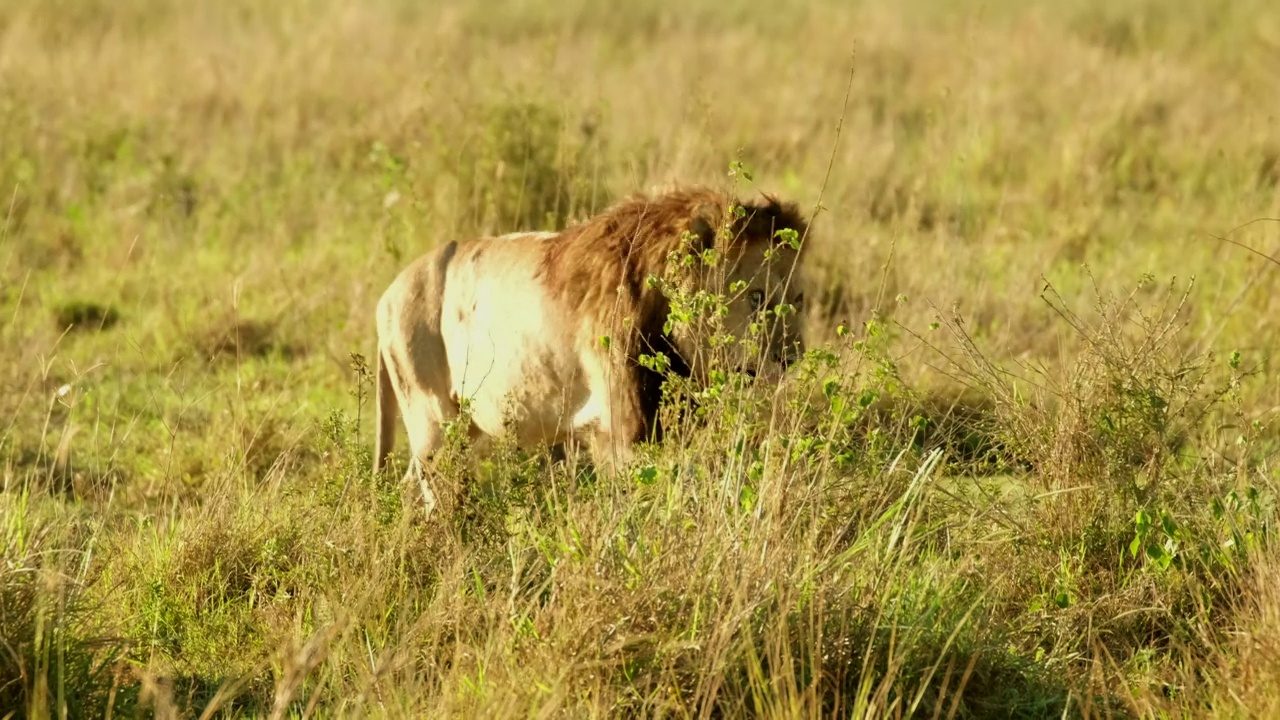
{"x": 767, "y": 311}
{"x": 765, "y": 299}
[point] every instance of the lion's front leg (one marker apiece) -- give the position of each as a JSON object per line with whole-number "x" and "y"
{"x": 611, "y": 420}
{"x": 611, "y": 451}
{"x": 612, "y": 441}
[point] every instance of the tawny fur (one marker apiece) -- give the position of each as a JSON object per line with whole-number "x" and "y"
{"x": 513, "y": 324}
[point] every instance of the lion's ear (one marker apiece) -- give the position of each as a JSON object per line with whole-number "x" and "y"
{"x": 778, "y": 221}
{"x": 703, "y": 227}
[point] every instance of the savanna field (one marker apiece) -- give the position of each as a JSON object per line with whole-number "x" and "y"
{"x": 1028, "y": 468}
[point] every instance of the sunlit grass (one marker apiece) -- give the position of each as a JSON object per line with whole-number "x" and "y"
{"x": 1028, "y": 472}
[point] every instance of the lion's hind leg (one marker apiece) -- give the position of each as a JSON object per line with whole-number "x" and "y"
{"x": 424, "y": 420}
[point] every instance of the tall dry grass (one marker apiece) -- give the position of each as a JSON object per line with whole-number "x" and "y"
{"x": 1028, "y": 471}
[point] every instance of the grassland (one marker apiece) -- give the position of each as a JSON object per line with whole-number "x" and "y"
{"x": 1030, "y": 473}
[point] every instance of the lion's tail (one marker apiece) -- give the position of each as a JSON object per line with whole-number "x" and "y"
{"x": 384, "y": 416}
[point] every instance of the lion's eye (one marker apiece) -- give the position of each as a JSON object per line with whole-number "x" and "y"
{"x": 798, "y": 303}
{"x": 757, "y": 299}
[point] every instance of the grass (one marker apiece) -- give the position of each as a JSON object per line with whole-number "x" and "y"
{"x": 1028, "y": 470}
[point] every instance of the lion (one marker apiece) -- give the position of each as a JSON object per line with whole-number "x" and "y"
{"x": 543, "y": 335}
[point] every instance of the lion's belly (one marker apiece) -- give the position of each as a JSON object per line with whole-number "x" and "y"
{"x": 512, "y": 359}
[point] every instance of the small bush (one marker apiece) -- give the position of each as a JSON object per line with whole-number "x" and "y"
{"x": 82, "y": 315}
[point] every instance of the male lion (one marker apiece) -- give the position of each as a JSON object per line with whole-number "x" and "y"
{"x": 541, "y": 333}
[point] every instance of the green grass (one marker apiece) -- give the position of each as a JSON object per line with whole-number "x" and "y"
{"x": 1029, "y": 472}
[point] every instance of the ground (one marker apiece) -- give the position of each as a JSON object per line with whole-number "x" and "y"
{"x": 1028, "y": 470}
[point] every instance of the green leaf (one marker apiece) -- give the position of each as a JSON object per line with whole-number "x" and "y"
{"x": 1142, "y": 522}
{"x": 1157, "y": 553}
{"x": 647, "y": 475}
{"x": 789, "y": 237}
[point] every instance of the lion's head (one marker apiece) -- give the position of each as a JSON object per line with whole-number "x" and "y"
{"x": 606, "y": 269}
{"x": 747, "y": 254}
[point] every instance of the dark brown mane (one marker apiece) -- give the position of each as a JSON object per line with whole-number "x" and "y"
{"x": 599, "y": 268}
